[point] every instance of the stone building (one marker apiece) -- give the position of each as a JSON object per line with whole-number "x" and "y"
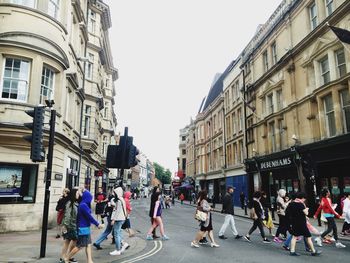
{"x": 60, "y": 52}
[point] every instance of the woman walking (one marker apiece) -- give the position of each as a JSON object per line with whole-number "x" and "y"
{"x": 118, "y": 217}
{"x": 346, "y": 215}
{"x": 101, "y": 201}
{"x": 61, "y": 205}
{"x": 298, "y": 212}
{"x": 257, "y": 214}
{"x": 84, "y": 221}
{"x": 127, "y": 224}
{"x": 69, "y": 225}
{"x": 206, "y": 226}
{"x": 157, "y": 219}
{"x": 329, "y": 213}
{"x": 281, "y": 212}
{"x": 154, "y": 199}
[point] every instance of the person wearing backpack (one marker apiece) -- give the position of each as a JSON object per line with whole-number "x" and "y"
{"x": 61, "y": 204}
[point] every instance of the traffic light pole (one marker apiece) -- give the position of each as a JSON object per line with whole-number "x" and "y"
{"x": 48, "y": 184}
{"x": 124, "y": 154}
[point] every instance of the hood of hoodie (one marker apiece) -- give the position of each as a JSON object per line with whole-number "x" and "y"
{"x": 282, "y": 193}
{"x": 86, "y": 197}
{"x": 118, "y": 192}
{"x": 127, "y": 195}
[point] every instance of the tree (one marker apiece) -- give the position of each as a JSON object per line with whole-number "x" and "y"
{"x": 161, "y": 174}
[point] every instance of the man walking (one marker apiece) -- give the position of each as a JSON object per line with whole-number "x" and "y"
{"x": 227, "y": 208}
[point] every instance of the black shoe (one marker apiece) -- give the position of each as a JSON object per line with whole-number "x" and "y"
{"x": 238, "y": 237}
{"x": 73, "y": 260}
{"x": 98, "y": 247}
{"x": 294, "y": 254}
{"x": 316, "y": 253}
{"x": 266, "y": 241}
{"x": 247, "y": 239}
{"x": 58, "y": 236}
{"x": 222, "y": 237}
{"x": 286, "y": 248}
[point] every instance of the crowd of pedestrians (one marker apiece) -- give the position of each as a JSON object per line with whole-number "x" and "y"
{"x": 74, "y": 218}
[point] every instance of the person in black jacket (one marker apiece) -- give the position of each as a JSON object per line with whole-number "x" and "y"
{"x": 227, "y": 208}
{"x": 154, "y": 198}
{"x": 257, "y": 214}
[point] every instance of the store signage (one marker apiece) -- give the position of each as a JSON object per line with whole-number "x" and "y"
{"x": 58, "y": 177}
{"x": 275, "y": 163}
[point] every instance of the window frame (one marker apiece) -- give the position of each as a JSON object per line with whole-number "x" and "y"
{"x": 52, "y": 89}
{"x": 265, "y": 60}
{"x": 313, "y": 17}
{"x": 324, "y": 74}
{"x": 56, "y": 8}
{"x": 336, "y": 53}
{"x": 21, "y": 2}
{"x": 272, "y": 133}
{"x": 92, "y": 22}
{"x": 329, "y": 4}
{"x": 26, "y": 81}
{"x": 87, "y": 120}
{"x": 274, "y": 53}
{"x": 346, "y": 126}
{"x": 328, "y": 114}
{"x": 90, "y": 67}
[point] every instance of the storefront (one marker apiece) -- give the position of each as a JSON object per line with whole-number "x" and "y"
{"x": 272, "y": 172}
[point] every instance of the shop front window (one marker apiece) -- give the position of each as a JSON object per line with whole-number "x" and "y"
{"x": 346, "y": 184}
{"x": 17, "y": 183}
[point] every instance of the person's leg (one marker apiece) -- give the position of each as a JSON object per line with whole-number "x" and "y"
{"x": 211, "y": 237}
{"x": 160, "y": 224}
{"x": 117, "y": 234}
{"x": 288, "y": 240}
{"x": 154, "y": 225}
{"x": 261, "y": 228}
{"x": 71, "y": 254}
{"x": 105, "y": 233}
{"x": 224, "y": 226}
{"x": 309, "y": 244}
{"x": 72, "y": 244}
{"x": 334, "y": 228}
{"x": 88, "y": 254}
{"x": 65, "y": 248}
{"x": 233, "y": 225}
{"x": 278, "y": 232}
{"x": 293, "y": 244}
{"x": 252, "y": 229}
{"x": 329, "y": 227}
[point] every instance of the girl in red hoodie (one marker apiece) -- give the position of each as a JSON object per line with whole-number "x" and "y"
{"x": 329, "y": 213}
{"x": 126, "y": 224}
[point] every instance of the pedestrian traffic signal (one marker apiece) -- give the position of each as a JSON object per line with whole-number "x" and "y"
{"x": 114, "y": 155}
{"x": 37, "y": 150}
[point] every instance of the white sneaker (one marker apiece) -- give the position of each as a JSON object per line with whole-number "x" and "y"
{"x": 115, "y": 253}
{"x": 339, "y": 245}
{"x": 318, "y": 241}
{"x": 124, "y": 247}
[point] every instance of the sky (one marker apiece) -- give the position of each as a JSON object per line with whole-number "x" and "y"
{"x": 167, "y": 53}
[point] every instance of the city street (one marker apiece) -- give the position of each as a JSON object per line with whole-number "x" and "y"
{"x": 181, "y": 227}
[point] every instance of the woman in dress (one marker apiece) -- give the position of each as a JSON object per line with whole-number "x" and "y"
{"x": 207, "y": 225}
{"x": 101, "y": 201}
{"x": 297, "y": 219}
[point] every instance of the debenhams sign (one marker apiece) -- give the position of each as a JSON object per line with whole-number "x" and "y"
{"x": 276, "y": 163}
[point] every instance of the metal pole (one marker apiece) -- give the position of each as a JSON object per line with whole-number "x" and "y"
{"x": 48, "y": 184}
{"x": 124, "y": 154}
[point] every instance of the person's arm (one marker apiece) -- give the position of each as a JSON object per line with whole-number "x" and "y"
{"x": 156, "y": 206}
{"x": 206, "y": 206}
{"x": 318, "y": 209}
{"x": 85, "y": 212}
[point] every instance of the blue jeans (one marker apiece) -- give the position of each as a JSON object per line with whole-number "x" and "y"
{"x": 117, "y": 228}
{"x": 105, "y": 233}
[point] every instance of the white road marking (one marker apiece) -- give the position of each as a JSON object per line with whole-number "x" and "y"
{"x": 157, "y": 247}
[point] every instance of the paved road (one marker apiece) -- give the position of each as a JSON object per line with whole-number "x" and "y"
{"x": 181, "y": 228}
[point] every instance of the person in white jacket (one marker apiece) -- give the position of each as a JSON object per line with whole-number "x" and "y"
{"x": 117, "y": 219}
{"x": 346, "y": 215}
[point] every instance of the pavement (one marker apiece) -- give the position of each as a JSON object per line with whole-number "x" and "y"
{"x": 20, "y": 247}
{"x": 241, "y": 213}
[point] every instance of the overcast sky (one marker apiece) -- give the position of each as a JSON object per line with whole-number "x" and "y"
{"x": 167, "y": 53}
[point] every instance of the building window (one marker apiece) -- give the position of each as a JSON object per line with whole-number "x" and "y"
{"x": 106, "y": 111}
{"x": 313, "y": 15}
{"x": 241, "y": 151}
{"x": 270, "y": 107}
{"x": 329, "y": 115}
{"x": 183, "y": 152}
{"x": 72, "y": 173}
{"x": 329, "y": 6}
{"x": 265, "y": 61}
{"x": 104, "y": 145}
{"x": 240, "y": 121}
{"x": 92, "y": 22}
{"x": 279, "y": 99}
{"x": 325, "y": 73}
{"x": 274, "y": 53}
{"x": 341, "y": 64}
{"x": 281, "y": 134}
{"x": 47, "y": 85}
{"x": 345, "y": 106}
{"x": 54, "y": 8}
{"x": 17, "y": 183}
{"x": 87, "y": 119}
{"x": 89, "y": 67}
{"x": 29, "y": 3}
{"x": 87, "y": 183}
{"x": 234, "y": 128}
{"x": 272, "y": 136}
{"x": 15, "y": 79}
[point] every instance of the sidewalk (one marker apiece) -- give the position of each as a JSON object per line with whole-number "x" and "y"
{"x": 25, "y": 247}
{"x": 239, "y": 212}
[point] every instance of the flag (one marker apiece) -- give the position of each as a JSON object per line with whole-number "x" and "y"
{"x": 342, "y": 34}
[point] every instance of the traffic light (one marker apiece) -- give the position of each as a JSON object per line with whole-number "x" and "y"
{"x": 133, "y": 152}
{"x": 114, "y": 155}
{"x": 37, "y": 150}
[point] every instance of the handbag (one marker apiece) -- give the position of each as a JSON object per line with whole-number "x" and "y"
{"x": 201, "y": 216}
{"x": 84, "y": 231}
